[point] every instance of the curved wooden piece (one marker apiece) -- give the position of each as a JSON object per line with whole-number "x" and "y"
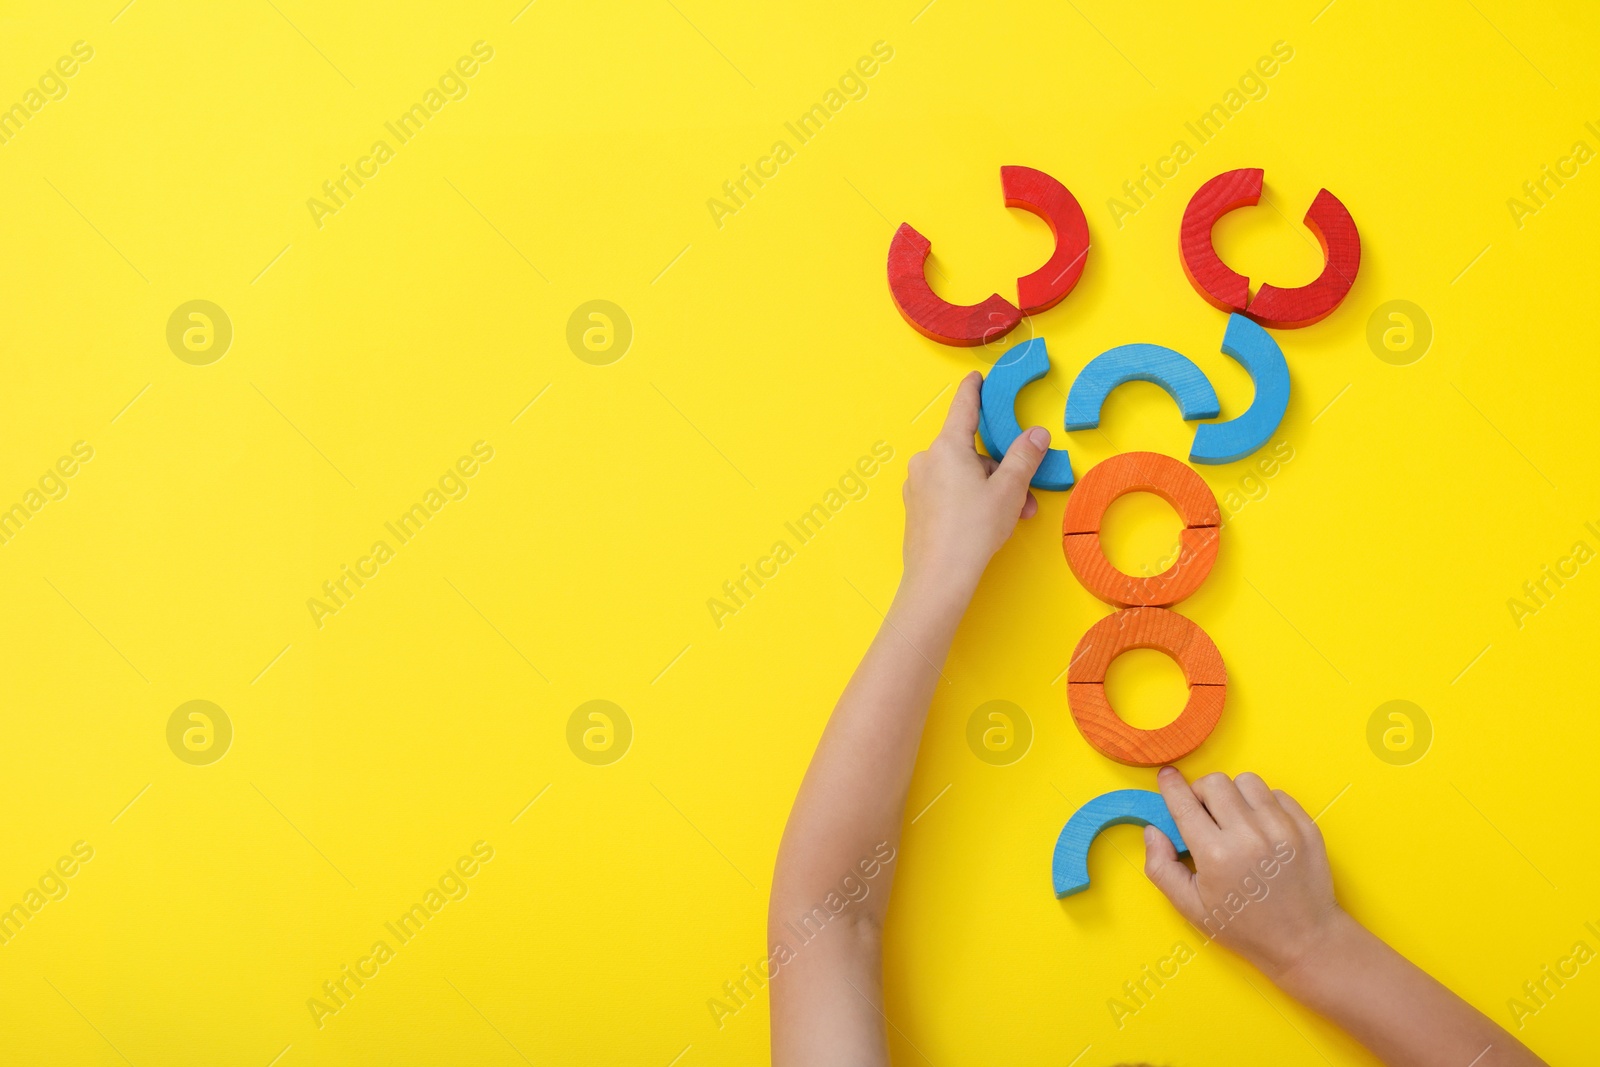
{"x": 1197, "y": 552}
{"x": 932, "y": 316}
{"x": 997, "y": 421}
{"x": 1176, "y": 373}
{"x": 1220, "y": 285}
{"x": 1069, "y": 868}
{"x": 1258, "y": 353}
{"x": 1164, "y": 631}
{"x": 1289, "y": 309}
{"x": 1140, "y": 472}
{"x": 1147, "y": 472}
{"x": 1036, "y": 191}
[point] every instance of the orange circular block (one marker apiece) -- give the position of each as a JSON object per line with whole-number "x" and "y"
{"x": 1165, "y": 631}
{"x": 1146, "y": 472}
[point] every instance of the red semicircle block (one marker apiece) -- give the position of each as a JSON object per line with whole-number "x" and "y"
{"x": 930, "y": 315}
{"x": 1035, "y": 191}
{"x": 1220, "y": 285}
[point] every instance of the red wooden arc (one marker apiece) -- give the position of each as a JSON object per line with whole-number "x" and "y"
{"x": 1224, "y": 288}
{"x": 929, "y": 314}
{"x": 975, "y": 324}
{"x": 1286, "y": 309}
{"x": 1036, "y": 191}
{"x": 1220, "y": 285}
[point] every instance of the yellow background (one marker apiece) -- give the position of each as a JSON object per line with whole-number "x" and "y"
{"x": 371, "y": 352}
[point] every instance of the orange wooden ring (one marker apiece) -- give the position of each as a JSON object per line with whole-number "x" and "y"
{"x": 1163, "y": 630}
{"x": 1172, "y": 481}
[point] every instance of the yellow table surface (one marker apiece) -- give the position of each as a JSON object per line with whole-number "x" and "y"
{"x": 380, "y": 337}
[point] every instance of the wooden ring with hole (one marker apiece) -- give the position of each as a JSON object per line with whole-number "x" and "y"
{"x": 1223, "y": 287}
{"x": 1172, "y": 481}
{"x": 1165, "y": 631}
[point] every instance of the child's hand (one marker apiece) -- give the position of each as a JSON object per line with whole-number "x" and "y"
{"x": 1261, "y": 884}
{"x": 960, "y": 506}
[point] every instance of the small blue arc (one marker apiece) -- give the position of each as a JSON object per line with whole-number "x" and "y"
{"x": 1141, "y": 807}
{"x": 1173, "y": 371}
{"x": 997, "y": 422}
{"x": 1254, "y": 348}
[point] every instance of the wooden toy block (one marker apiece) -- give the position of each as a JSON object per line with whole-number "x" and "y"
{"x": 1069, "y": 868}
{"x": 1140, "y": 472}
{"x": 1197, "y": 551}
{"x": 1258, "y": 353}
{"x": 1225, "y": 288}
{"x": 1216, "y": 282}
{"x": 1288, "y": 309}
{"x": 931, "y": 316}
{"x": 1164, "y": 631}
{"x": 1142, "y": 627}
{"x": 1038, "y": 192}
{"x": 997, "y": 423}
{"x": 1173, "y": 371}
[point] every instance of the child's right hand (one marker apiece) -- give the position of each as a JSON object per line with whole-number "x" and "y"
{"x": 1261, "y": 884}
{"x": 961, "y": 506}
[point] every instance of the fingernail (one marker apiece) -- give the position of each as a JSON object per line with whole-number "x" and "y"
{"x": 1166, "y": 772}
{"x": 1039, "y": 437}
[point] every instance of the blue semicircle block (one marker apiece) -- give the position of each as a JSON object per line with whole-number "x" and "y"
{"x": 1254, "y": 348}
{"x": 1141, "y": 807}
{"x": 997, "y": 421}
{"x": 1173, "y": 371}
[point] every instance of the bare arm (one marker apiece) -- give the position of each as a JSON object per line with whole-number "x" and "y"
{"x": 1261, "y": 886}
{"x": 843, "y": 834}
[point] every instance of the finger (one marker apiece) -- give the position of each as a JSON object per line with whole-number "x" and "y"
{"x": 1030, "y": 506}
{"x": 1264, "y": 806}
{"x": 1022, "y": 460}
{"x": 1170, "y": 875}
{"x": 1194, "y": 822}
{"x": 1296, "y": 813}
{"x": 989, "y": 465}
{"x": 1222, "y": 799}
{"x": 1255, "y": 792}
{"x": 962, "y": 423}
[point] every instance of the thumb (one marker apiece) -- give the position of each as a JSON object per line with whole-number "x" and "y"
{"x": 1176, "y": 882}
{"x": 1022, "y": 460}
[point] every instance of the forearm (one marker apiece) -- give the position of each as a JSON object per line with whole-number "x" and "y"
{"x": 1394, "y": 1007}
{"x": 853, "y": 796}
{"x": 830, "y": 888}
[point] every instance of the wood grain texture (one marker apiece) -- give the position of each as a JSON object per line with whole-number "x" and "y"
{"x": 1197, "y": 552}
{"x": 1289, "y": 309}
{"x": 1278, "y": 308}
{"x": 1036, "y": 191}
{"x": 1221, "y": 286}
{"x": 1069, "y": 866}
{"x": 1139, "y": 472}
{"x": 1105, "y": 730}
{"x": 929, "y": 314}
{"x": 1143, "y": 627}
{"x": 1175, "y": 372}
{"x": 997, "y": 422}
{"x": 1165, "y": 631}
{"x": 1256, "y": 351}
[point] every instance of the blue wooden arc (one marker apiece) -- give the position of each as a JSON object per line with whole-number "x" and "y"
{"x": 1173, "y": 371}
{"x": 1141, "y": 807}
{"x": 1254, "y": 348}
{"x": 997, "y": 422}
